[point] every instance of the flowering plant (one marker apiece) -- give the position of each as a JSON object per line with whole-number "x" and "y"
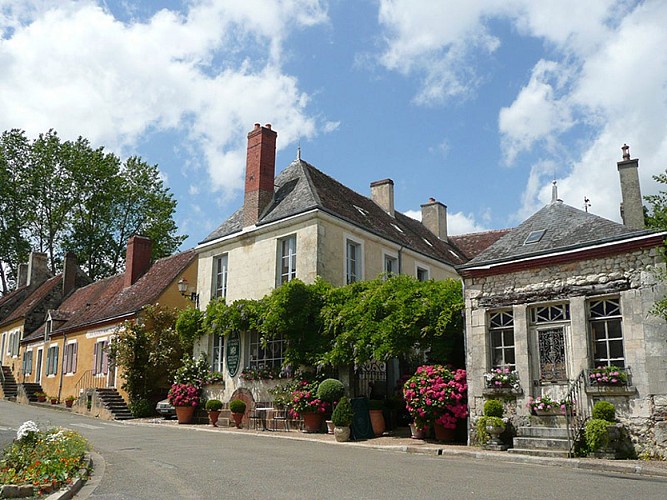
{"x": 304, "y": 400}
{"x": 543, "y": 403}
{"x": 435, "y": 394}
{"x": 608, "y": 375}
{"x": 184, "y": 395}
{"x": 263, "y": 373}
{"x": 196, "y": 372}
{"x": 502, "y": 377}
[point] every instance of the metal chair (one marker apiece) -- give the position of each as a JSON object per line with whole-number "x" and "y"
{"x": 280, "y": 415}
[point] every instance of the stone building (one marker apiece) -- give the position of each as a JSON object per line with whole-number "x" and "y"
{"x": 566, "y": 292}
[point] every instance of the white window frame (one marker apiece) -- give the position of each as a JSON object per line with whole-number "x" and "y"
{"x": 504, "y": 323}
{"x": 286, "y": 254}
{"x": 220, "y": 275}
{"x": 422, "y": 267}
{"x": 52, "y": 355}
{"x": 70, "y": 355}
{"x": 389, "y": 257}
{"x": 27, "y": 362}
{"x": 217, "y": 356}
{"x": 14, "y": 343}
{"x": 101, "y": 358}
{"x": 605, "y": 320}
{"x": 260, "y": 357}
{"x": 358, "y": 260}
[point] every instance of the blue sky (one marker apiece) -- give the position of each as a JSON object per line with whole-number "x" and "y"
{"x": 477, "y": 104}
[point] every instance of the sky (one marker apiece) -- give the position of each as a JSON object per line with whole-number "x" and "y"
{"x": 479, "y": 104}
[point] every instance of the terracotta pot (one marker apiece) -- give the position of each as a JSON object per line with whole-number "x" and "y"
{"x": 69, "y": 403}
{"x": 184, "y": 414}
{"x": 442, "y": 433}
{"x": 341, "y": 434}
{"x": 213, "y": 417}
{"x": 238, "y": 419}
{"x": 54, "y": 401}
{"x": 41, "y": 399}
{"x": 377, "y": 421}
{"x": 312, "y": 422}
{"x": 416, "y": 433}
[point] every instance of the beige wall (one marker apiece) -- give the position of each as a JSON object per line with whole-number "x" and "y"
{"x": 14, "y": 362}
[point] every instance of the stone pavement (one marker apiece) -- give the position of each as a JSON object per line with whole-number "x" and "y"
{"x": 401, "y": 442}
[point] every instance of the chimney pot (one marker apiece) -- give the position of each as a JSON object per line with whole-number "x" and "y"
{"x": 626, "y": 151}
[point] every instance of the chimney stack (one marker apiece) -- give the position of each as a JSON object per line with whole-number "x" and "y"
{"x": 137, "y": 259}
{"x": 260, "y": 173}
{"x": 22, "y": 278}
{"x": 632, "y": 209}
{"x": 434, "y": 217}
{"x": 382, "y": 193}
{"x": 69, "y": 273}
{"x": 38, "y": 269}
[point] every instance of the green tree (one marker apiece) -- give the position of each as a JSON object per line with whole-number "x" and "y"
{"x": 656, "y": 218}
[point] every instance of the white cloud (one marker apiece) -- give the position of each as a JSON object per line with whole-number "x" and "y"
{"x": 72, "y": 66}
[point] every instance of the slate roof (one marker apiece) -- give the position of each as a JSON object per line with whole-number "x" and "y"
{"x": 10, "y": 301}
{"x": 472, "y": 244}
{"x": 301, "y": 187}
{"x": 565, "y": 228}
{"x": 32, "y": 300}
{"x": 108, "y": 300}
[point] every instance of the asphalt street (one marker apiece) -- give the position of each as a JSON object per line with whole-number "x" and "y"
{"x": 183, "y": 462}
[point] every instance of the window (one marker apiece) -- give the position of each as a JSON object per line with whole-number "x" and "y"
{"x": 220, "y": 270}
{"x": 353, "y": 261}
{"x": 266, "y": 356}
{"x": 218, "y": 343}
{"x": 390, "y": 265}
{"x": 606, "y": 332}
{"x": 501, "y": 333}
{"x": 69, "y": 358}
{"x": 551, "y": 322}
{"x": 549, "y": 313}
{"x": 100, "y": 358}
{"x": 52, "y": 360}
{"x": 286, "y": 259}
{"x": 27, "y": 363}
{"x": 422, "y": 274}
{"x": 534, "y": 237}
{"x": 14, "y": 341}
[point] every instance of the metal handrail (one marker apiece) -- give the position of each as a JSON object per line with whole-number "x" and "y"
{"x": 88, "y": 380}
{"x": 576, "y": 409}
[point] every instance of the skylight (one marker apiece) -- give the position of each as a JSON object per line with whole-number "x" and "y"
{"x": 397, "y": 228}
{"x": 361, "y": 210}
{"x": 534, "y": 237}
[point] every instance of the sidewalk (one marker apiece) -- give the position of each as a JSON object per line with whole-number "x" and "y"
{"x": 401, "y": 442}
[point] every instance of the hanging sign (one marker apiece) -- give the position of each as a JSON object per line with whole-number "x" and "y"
{"x": 233, "y": 353}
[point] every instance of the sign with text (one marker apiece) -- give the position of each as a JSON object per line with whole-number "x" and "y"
{"x": 233, "y": 353}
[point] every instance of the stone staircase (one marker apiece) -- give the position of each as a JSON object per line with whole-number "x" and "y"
{"x": 547, "y": 438}
{"x": 30, "y": 389}
{"x": 9, "y": 386}
{"x": 115, "y": 403}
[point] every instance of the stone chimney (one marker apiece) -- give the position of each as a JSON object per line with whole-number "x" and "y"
{"x": 382, "y": 193}
{"x": 69, "y": 273}
{"x": 38, "y": 269}
{"x": 632, "y": 209}
{"x": 138, "y": 259}
{"x": 260, "y": 173}
{"x": 22, "y": 278}
{"x": 434, "y": 217}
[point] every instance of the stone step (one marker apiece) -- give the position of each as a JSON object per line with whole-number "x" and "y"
{"x": 543, "y": 432}
{"x": 539, "y": 453}
{"x": 537, "y": 443}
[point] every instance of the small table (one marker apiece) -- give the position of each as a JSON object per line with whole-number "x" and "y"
{"x": 262, "y": 411}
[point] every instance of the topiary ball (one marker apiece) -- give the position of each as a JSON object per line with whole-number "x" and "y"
{"x": 237, "y": 406}
{"x": 331, "y": 390}
{"x": 604, "y": 410}
{"x": 494, "y": 408}
{"x": 213, "y": 405}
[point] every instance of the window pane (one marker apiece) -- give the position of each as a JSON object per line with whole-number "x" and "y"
{"x": 599, "y": 332}
{"x": 601, "y": 351}
{"x": 615, "y": 349}
{"x": 614, "y": 329}
{"x": 508, "y": 336}
{"x": 509, "y": 357}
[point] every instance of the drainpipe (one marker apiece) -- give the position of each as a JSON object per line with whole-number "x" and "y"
{"x": 400, "y": 260}
{"x": 62, "y": 367}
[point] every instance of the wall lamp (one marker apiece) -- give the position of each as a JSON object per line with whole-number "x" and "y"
{"x": 183, "y": 289}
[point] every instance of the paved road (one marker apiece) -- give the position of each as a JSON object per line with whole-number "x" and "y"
{"x": 173, "y": 462}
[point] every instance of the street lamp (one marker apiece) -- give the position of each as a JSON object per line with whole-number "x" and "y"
{"x": 183, "y": 289}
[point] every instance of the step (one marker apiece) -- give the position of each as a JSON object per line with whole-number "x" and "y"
{"x": 536, "y": 443}
{"x": 539, "y": 453}
{"x": 543, "y": 432}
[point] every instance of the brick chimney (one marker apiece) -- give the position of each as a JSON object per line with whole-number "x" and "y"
{"x": 38, "y": 269}
{"x": 632, "y": 209}
{"x": 260, "y": 173}
{"x": 382, "y": 193}
{"x": 138, "y": 259}
{"x": 434, "y": 217}
{"x": 69, "y": 273}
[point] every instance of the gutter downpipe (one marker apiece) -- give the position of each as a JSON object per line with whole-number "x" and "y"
{"x": 62, "y": 367}
{"x": 400, "y": 260}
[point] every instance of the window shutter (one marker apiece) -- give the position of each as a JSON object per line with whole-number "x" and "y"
{"x": 75, "y": 349}
{"x": 105, "y": 358}
{"x": 95, "y": 349}
{"x": 55, "y": 360}
{"x": 66, "y": 359}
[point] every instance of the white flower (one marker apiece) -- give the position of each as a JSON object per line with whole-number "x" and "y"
{"x": 26, "y": 429}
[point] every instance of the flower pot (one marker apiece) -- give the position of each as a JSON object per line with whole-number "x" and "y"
{"x": 184, "y": 414}
{"x": 442, "y": 433}
{"x": 238, "y": 419}
{"x": 69, "y": 403}
{"x": 341, "y": 434}
{"x": 41, "y": 399}
{"x": 54, "y": 401}
{"x": 547, "y": 413}
{"x": 312, "y": 422}
{"x": 213, "y": 417}
{"x": 330, "y": 427}
{"x": 495, "y": 431}
{"x": 377, "y": 422}
{"x": 416, "y": 432}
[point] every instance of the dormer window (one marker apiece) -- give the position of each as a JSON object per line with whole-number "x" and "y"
{"x": 48, "y": 328}
{"x": 534, "y": 237}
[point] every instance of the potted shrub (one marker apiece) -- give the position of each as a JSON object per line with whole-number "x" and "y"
{"x": 69, "y": 401}
{"x": 54, "y": 400}
{"x": 304, "y": 403}
{"x": 602, "y": 433}
{"x": 213, "y": 407}
{"x": 375, "y": 409}
{"x": 185, "y": 399}
{"x": 41, "y": 396}
{"x": 342, "y": 419}
{"x": 330, "y": 390}
{"x": 237, "y": 407}
{"x": 491, "y": 425}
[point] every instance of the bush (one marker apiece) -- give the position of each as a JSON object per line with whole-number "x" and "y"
{"x": 494, "y": 408}
{"x": 343, "y": 413}
{"x": 597, "y": 434}
{"x": 237, "y": 406}
{"x": 331, "y": 390}
{"x": 141, "y": 408}
{"x": 604, "y": 410}
{"x": 215, "y": 405}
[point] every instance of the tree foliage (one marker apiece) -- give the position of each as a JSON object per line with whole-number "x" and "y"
{"x": 656, "y": 218}
{"x": 58, "y": 196}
